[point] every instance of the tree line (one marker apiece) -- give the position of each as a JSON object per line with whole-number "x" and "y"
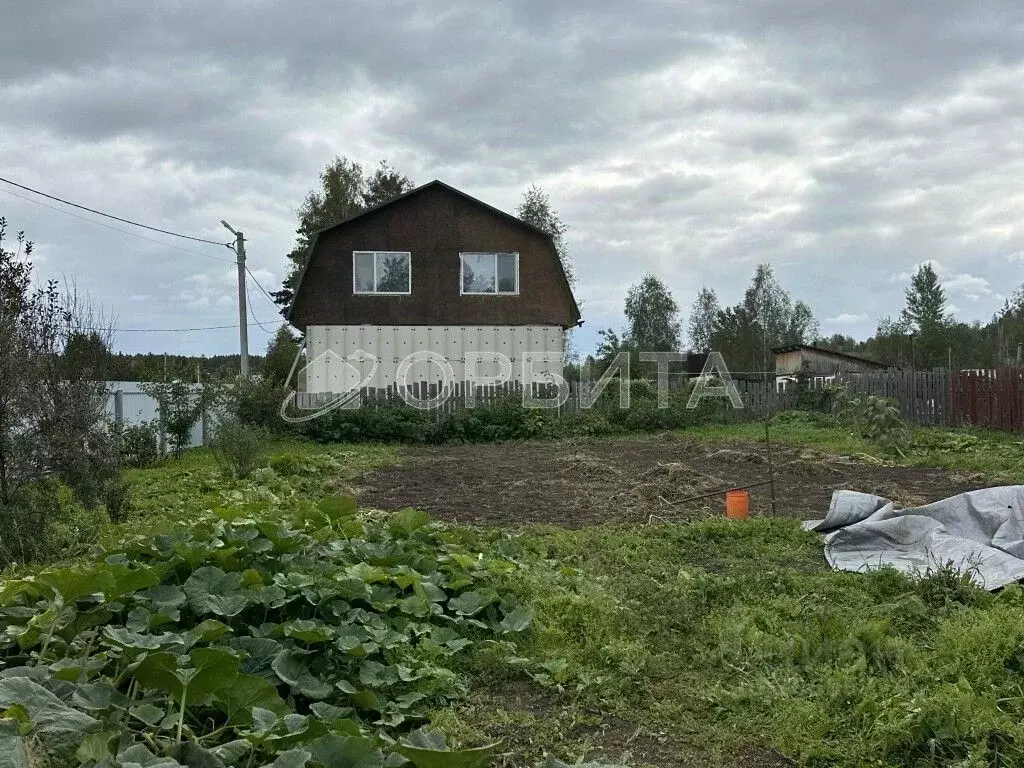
{"x": 923, "y": 335}
{"x": 926, "y": 335}
{"x": 745, "y": 334}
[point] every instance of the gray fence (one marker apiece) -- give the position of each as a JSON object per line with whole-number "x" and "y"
{"x": 990, "y": 398}
{"x": 128, "y": 404}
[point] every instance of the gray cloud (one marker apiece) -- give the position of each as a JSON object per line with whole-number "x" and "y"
{"x": 843, "y": 142}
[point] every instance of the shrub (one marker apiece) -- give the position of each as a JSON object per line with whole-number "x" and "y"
{"x": 399, "y": 424}
{"x": 373, "y": 621}
{"x": 877, "y": 419}
{"x": 181, "y": 405}
{"x": 26, "y": 522}
{"x": 54, "y": 433}
{"x": 138, "y": 444}
{"x": 118, "y": 500}
{"x": 239, "y": 448}
{"x": 257, "y": 402}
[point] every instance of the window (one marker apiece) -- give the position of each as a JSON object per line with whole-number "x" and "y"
{"x": 490, "y": 273}
{"x": 381, "y": 272}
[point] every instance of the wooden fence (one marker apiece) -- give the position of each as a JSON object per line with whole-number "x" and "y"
{"x": 990, "y": 398}
{"x": 986, "y": 398}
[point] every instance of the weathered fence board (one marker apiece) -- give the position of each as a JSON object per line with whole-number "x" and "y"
{"x": 990, "y": 398}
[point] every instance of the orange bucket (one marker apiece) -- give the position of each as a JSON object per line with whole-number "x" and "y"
{"x": 737, "y": 505}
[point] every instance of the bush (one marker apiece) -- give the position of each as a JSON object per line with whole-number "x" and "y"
{"x": 139, "y": 444}
{"x": 392, "y": 424}
{"x": 181, "y": 405}
{"x": 118, "y": 500}
{"x": 257, "y": 402}
{"x": 239, "y": 448}
{"x": 877, "y": 419}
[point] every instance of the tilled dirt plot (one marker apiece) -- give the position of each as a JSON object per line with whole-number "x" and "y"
{"x": 628, "y": 480}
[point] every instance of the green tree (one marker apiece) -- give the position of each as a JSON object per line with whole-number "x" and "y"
{"x": 609, "y": 346}
{"x": 926, "y": 305}
{"x": 766, "y": 318}
{"x": 652, "y": 316}
{"x": 770, "y": 307}
{"x": 53, "y": 425}
{"x": 891, "y": 343}
{"x": 738, "y": 338}
{"x": 926, "y": 316}
{"x": 702, "y": 319}
{"x": 803, "y": 327}
{"x": 384, "y": 185}
{"x": 535, "y": 209}
{"x": 280, "y": 357}
{"x": 181, "y": 405}
{"x": 344, "y": 192}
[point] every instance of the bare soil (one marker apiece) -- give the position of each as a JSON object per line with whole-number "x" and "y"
{"x": 587, "y": 482}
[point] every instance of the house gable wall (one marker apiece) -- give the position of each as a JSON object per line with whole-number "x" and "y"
{"x": 435, "y": 225}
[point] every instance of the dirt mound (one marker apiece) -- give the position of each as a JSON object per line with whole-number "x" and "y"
{"x": 736, "y": 456}
{"x": 669, "y": 489}
{"x": 583, "y": 465}
{"x": 899, "y": 495}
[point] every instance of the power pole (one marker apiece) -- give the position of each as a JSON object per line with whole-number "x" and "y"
{"x": 243, "y": 325}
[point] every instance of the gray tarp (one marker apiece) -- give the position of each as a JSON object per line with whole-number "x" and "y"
{"x": 980, "y": 532}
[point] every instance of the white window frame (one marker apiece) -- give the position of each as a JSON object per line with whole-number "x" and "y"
{"x": 495, "y": 292}
{"x": 375, "y": 292}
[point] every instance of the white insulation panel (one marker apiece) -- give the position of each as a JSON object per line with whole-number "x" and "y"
{"x": 341, "y": 357}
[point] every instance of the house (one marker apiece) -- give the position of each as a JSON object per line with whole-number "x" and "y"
{"x": 820, "y": 363}
{"x": 438, "y": 273}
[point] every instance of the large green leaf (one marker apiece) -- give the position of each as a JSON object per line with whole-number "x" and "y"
{"x": 195, "y": 756}
{"x": 291, "y": 667}
{"x": 260, "y": 653}
{"x": 427, "y": 749}
{"x": 13, "y": 753}
{"x": 517, "y": 620}
{"x": 336, "y": 751}
{"x": 72, "y": 583}
{"x": 128, "y": 580}
{"x": 308, "y": 631}
{"x": 407, "y": 521}
{"x": 59, "y": 726}
{"x": 244, "y": 693}
{"x": 135, "y": 642}
{"x": 203, "y": 672}
{"x": 471, "y": 603}
{"x": 337, "y": 508}
{"x": 165, "y": 598}
{"x": 97, "y": 746}
{"x": 293, "y": 758}
{"x": 211, "y": 590}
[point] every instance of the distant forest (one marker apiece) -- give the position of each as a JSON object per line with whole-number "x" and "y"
{"x": 118, "y": 366}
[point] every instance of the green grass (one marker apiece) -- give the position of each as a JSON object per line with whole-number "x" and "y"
{"x": 690, "y": 644}
{"x": 167, "y": 495}
{"x": 722, "y": 635}
{"x": 999, "y": 455}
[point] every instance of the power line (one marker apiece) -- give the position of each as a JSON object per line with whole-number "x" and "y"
{"x": 264, "y": 290}
{"x": 117, "y": 229}
{"x": 253, "y": 314}
{"x": 171, "y": 330}
{"x": 110, "y": 215}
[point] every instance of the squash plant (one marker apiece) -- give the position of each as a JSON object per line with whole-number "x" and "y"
{"x": 319, "y": 638}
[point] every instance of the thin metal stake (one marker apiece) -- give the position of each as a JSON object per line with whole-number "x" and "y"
{"x": 771, "y": 468}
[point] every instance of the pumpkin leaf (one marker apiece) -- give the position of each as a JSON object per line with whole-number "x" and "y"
{"x": 211, "y": 590}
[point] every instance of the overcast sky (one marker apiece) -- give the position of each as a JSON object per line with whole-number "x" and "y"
{"x": 843, "y": 142}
